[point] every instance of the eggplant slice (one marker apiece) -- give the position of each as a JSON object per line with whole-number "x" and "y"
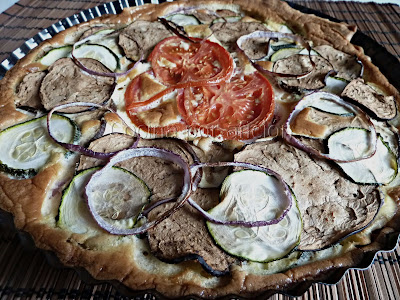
{"x": 184, "y": 235}
{"x": 228, "y": 32}
{"x": 140, "y": 37}
{"x": 66, "y": 83}
{"x": 300, "y": 64}
{"x": 28, "y": 90}
{"x": 346, "y": 66}
{"x": 380, "y": 106}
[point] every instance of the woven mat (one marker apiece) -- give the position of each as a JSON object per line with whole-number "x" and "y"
{"x": 24, "y": 271}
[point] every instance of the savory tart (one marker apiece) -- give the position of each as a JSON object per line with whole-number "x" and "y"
{"x": 202, "y": 148}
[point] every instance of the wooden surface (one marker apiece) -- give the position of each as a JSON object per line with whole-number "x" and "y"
{"x": 24, "y": 271}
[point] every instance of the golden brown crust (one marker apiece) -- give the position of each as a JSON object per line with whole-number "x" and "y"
{"x": 25, "y": 198}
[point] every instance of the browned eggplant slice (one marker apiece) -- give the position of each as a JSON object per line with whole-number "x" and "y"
{"x": 228, "y": 32}
{"x": 106, "y": 144}
{"x": 184, "y": 236}
{"x": 28, "y": 90}
{"x": 66, "y": 83}
{"x": 140, "y": 37}
{"x": 300, "y": 64}
{"x": 346, "y": 66}
{"x": 205, "y": 16}
{"x": 380, "y": 106}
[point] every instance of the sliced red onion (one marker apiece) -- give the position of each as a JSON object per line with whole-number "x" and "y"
{"x": 307, "y": 101}
{"x": 331, "y": 73}
{"x": 140, "y": 152}
{"x": 210, "y": 218}
{"x": 196, "y": 177}
{"x": 271, "y": 35}
{"x": 176, "y": 29}
{"x": 101, "y": 131}
{"x": 79, "y": 148}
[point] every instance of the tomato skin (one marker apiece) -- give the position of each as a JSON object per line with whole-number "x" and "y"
{"x": 182, "y": 63}
{"x": 237, "y": 110}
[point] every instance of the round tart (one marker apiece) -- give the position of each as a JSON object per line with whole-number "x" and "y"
{"x": 205, "y": 148}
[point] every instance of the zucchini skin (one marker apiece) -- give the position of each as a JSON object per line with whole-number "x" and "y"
{"x": 18, "y": 173}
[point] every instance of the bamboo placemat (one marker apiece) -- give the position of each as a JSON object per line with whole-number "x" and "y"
{"x": 24, "y": 271}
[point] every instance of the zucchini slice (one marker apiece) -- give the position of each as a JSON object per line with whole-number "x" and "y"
{"x": 335, "y": 85}
{"x": 55, "y": 54}
{"x": 326, "y": 102}
{"x": 104, "y": 32}
{"x": 183, "y": 20}
{"x": 331, "y": 107}
{"x": 27, "y": 147}
{"x": 98, "y": 52}
{"x": 109, "y": 41}
{"x": 230, "y": 19}
{"x": 249, "y": 195}
{"x": 305, "y": 52}
{"x": 119, "y": 197}
{"x": 115, "y": 201}
{"x": 349, "y": 143}
{"x": 284, "y": 53}
{"x": 278, "y": 27}
{"x": 74, "y": 214}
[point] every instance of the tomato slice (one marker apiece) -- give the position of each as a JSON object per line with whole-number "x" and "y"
{"x": 133, "y": 94}
{"x": 239, "y": 109}
{"x": 182, "y": 63}
{"x": 135, "y": 105}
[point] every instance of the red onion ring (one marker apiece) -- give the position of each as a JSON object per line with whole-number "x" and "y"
{"x": 305, "y": 102}
{"x": 176, "y": 29}
{"x": 79, "y": 148}
{"x": 140, "y": 152}
{"x": 270, "y": 35}
{"x": 331, "y": 73}
{"x": 210, "y": 218}
{"x": 197, "y": 177}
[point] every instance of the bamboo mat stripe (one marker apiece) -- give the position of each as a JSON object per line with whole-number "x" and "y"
{"x": 25, "y": 272}
{"x": 27, "y": 18}
{"x": 380, "y": 22}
